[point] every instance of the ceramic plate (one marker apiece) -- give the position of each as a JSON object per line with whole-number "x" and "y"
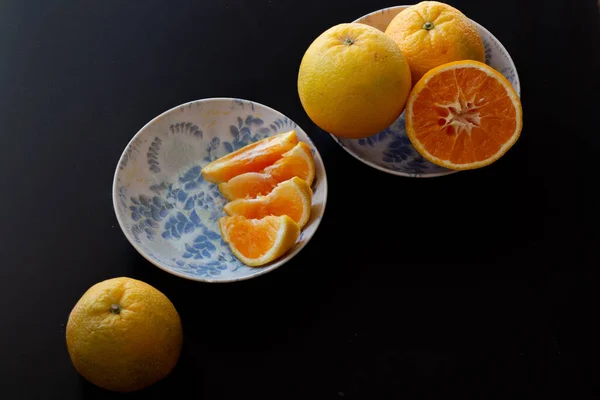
{"x": 390, "y": 150}
{"x": 170, "y": 213}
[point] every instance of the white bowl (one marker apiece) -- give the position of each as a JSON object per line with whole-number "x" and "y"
{"x": 167, "y": 210}
{"x": 390, "y": 150}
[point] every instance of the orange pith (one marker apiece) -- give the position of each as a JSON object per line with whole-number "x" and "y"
{"x": 251, "y": 158}
{"x": 463, "y": 115}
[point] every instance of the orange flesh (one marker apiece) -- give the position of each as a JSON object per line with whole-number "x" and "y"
{"x": 250, "y": 185}
{"x": 251, "y": 158}
{"x": 253, "y": 184}
{"x": 253, "y": 238}
{"x": 463, "y": 116}
{"x": 288, "y": 167}
{"x": 287, "y": 202}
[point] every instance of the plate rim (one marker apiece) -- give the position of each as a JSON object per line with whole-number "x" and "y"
{"x": 437, "y": 174}
{"x": 259, "y": 271}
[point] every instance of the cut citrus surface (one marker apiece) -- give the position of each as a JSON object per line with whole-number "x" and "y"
{"x": 296, "y": 162}
{"x": 292, "y": 198}
{"x": 251, "y": 158}
{"x": 463, "y": 115}
{"x": 256, "y": 242}
{"x": 248, "y": 185}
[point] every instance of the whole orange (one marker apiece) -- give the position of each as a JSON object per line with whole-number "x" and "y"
{"x": 431, "y": 33}
{"x": 124, "y": 335}
{"x": 353, "y": 81}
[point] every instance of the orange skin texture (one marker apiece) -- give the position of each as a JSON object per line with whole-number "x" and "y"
{"x": 128, "y": 350}
{"x": 353, "y": 81}
{"x": 451, "y": 37}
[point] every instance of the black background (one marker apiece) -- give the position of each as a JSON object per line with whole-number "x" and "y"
{"x": 478, "y": 285}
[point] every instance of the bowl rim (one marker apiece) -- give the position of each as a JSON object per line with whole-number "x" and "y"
{"x": 259, "y": 271}
{"x": 437, "y": 174}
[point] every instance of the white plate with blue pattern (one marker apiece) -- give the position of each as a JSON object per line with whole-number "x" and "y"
{"x": 168, "y": 211}
{"x": 390, "y": 150}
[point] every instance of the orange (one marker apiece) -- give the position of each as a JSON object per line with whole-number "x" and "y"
{"x": 432, "y": 33}
{"x": 248, "y": 185}
{"x": 292, "y": 198}
{"x": 353, "y": 81}
{"x": 256, "y": 242}
{"x": 463, "y": 115}
{"x": 296, "y": 162}
{"x": 124, "y": 335}
{"x": 251, "y": 158}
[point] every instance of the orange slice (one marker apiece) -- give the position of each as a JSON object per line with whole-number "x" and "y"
{"x": 256, "y": 242}
{"x": 251, "y": 158}
{"x": 292, "y": 198}
{"x": 296, "y": 162}
{"x": 248, "y": 185}
{"x": 463, "y": 115}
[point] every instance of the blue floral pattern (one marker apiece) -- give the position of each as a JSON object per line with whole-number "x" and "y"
{"x": 391, "y": 150}
{"x": 188, "y": 128}
{"x": 152, "y": 155}
{"x": 180, "y": 211}
{"x": 174, "y": 209}
{"x": 130, "y": 152}
{"x": 488, "y": 51}
{"x": 247, "y": 130}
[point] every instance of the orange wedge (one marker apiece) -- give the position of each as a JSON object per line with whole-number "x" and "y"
{"x": 296, "y": 162}
{"x": 248, "y": 185}
{"x": 251, "y": 158}
{"x": 292, "y": 198}
{"x": 256, "y": 242}
{"x": 463, "y": 115}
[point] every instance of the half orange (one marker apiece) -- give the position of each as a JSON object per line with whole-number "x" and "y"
{"x": 463, "y": 115}
{"x": 296, "y": 162}
{"x": 251, "y": 158}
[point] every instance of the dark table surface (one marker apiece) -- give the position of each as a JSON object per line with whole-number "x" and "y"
{"x": 478, "y": 285}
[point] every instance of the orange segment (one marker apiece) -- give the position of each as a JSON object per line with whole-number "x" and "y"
{"x": 292, "y": 198}
{"x": 296, "y": 162}
{"x": 252, "y": 158}
{"x": 248, "y": 185}
{"x": 463, "y": 115}
{"x": 256, "y": 242}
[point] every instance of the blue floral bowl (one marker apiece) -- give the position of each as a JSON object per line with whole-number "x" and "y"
{"x": 390, "y": 150}
{"x": 167, "y": 210}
